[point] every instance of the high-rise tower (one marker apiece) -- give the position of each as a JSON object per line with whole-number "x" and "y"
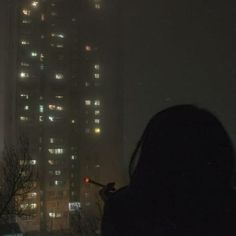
{"x": 67, "y": 90}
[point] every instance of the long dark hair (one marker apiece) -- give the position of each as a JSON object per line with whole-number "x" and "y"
{"x": 183, "y": 138}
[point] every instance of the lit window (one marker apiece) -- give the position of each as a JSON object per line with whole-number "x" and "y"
{"x": 96, "y": 67}
{"x": 57, "y": 182}
{"x": 24, "y": 75}
{"x": 33, "y": 162}
{"x": 32, "y": 195}
{"x": 24, "y": 118}
{"x": 87, "y": 102}
{"x": 40, "y": 118}
{"x": 41, "y": 57}
{"x": 52, "y": 140}
{"x": 51, "y": 118}
{"x": 35, "y": 4}
{"x": 24, "y": 64}
{"x": 52, "y": 107}
{"x": 97, "y": 76}
{"x": 97, "y": 6}
{"x": 26, "y": 12}
{"x": 42, "y": 17}
{"x": 97, "y": 112}
{"x": 34, "y": 54}
{"x": 59, "y": 108}
{"x": 97, "y": 103}
{"x": 73, "y": 157}
{"x": 97, "y": 130}
{"x": 51, "y": 162}
{"x": 26, "y": 21}
{"x": 33, "y": 205}
{"x": 26, "y": 96}
{"x": 24, "y": 206}
{"x": 73, "y": 121}
{"x": 59, "y": 35}
{"x": 60, "y": 46}
{"x": 56, "y": 151}
{"x": 97, "y": 121}
{"x": 87, "y": 84}
{"x": 59, "y": 97}
{"x": 57, "y": 172}
{"x": 59, "y": 76}
{"x": 88, "y": 48}
{"x": 41, "y": 108}
{"x": 24, "y": 42}
{"x": 54, "y": 215}
{"x": 26, "y": 108}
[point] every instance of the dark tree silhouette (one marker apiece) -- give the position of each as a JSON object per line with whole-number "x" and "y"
{"x": 17, "y": 180}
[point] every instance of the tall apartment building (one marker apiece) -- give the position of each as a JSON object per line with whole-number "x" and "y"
{"x": 65, "y": 94}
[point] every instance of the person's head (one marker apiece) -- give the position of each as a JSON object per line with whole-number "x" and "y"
{"x": 184, "y": 145}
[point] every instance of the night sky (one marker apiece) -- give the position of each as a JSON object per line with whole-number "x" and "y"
{"x": 174, "y": 52}
{"x": 179, "y": 52}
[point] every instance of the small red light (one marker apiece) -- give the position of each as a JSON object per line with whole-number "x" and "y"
{"x": 86, "y": 180}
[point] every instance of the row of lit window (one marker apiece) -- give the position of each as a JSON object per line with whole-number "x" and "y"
{"x": 89, "y": 103}
{"x": 30, "y": 206}
{"x": 31, "y": 162}
{"x": 56, "y": 151}
{"x": 56, "y": 172}
{"x": 26, "y": 96}
{"x": 55, "y": 215}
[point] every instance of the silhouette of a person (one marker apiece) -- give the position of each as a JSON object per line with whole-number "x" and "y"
{"x": 181, "y": 183}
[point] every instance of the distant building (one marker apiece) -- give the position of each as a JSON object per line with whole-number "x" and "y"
{"x": 65, "y": 94}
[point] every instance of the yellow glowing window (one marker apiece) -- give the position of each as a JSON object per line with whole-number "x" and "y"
{"x": 52, "y": 140}
{"x": 24, "y": 118}
{"x": 26, "y": 108}
{"x": 97, "y": 76}
{"x": 98, "y": 6}
{"x": 24, "y": 42}
{"x": 52, "y": 107}
{"x": 59, "y": 76}
{"x": 26, "y": 12}
{"x": 59, "y": 97}
{"x": 88, "y": 102}
{"x": 42, "y": 17}
{"x": 33, "y": 205}
{"x": 24, "y": 64}
{"x": 88, "y": 48}
{"x": 35, "y": 4}
{"x": 97, "y": 103}
{"x": 97, "y": 130}
{"x": 96, "y": 67}
{"x": 51, "y": 118}
{"x": 34, "y": 54}
{"x": 24, "y": 75}
{"x": 97, "y": 121}
{"x": 26, "y": 96}
{"x": 97, "y": 112}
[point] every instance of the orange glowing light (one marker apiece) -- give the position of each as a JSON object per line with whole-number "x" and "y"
{"x": 87, "y": 180}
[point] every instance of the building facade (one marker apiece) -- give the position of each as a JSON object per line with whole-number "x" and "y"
{"x": 65, "y": 95}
